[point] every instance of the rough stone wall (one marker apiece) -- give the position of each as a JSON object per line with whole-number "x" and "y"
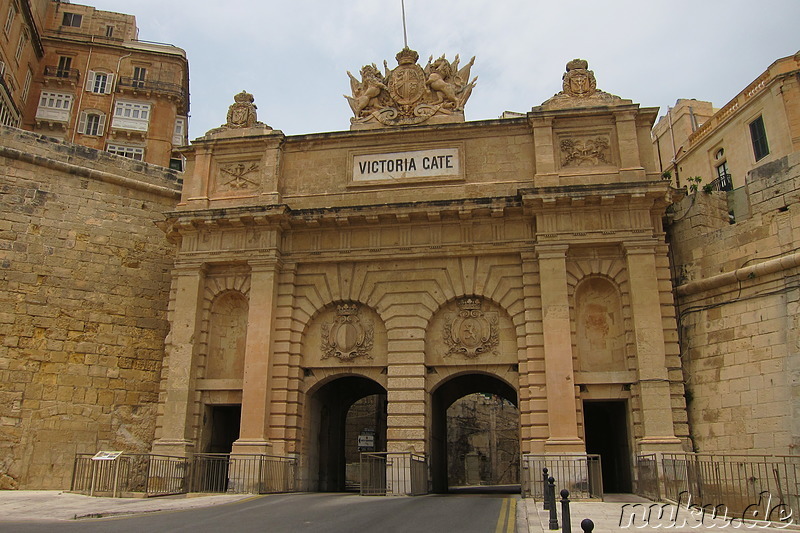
{"x": 739, "y": 296}
{"x": 84, "y": 272}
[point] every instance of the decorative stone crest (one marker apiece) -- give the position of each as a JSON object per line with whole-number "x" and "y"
{"x": 347, "y": 337}
{"x": 579, "y": 89}
{"x": 234, "y": 176}
{"x": 241, "y": 114}
{"x": 585, "y": 152}
{"x": 471, "y": 332}
{"x": 409, "y": 94}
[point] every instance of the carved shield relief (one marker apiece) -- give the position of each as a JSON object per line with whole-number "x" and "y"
{"x": 472, "y": 332}
{"x": 407, "y": 84}
{"x": 347, "y": 337}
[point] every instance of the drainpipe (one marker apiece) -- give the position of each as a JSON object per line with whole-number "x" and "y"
{"x": 107, "y": 132}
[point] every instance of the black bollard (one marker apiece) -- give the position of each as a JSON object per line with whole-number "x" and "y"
{"x": 587, "y": 525}
{"x": 551, "y": 491}
{"x": 566, "y": 522}
{"x": 545, "y": 491}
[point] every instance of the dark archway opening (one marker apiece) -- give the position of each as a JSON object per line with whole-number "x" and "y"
{"x": 606, "y": 429}
{"x": 224, "y": 422}
{"x": 336, "y": 439}
{"x": 449, "y": 448}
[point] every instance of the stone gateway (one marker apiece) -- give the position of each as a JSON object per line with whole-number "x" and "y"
{"x": 521, "y": 256}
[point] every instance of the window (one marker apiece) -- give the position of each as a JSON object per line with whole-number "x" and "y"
{"x": 133, "y": 152}
{"x": 54, "y": 106}
{"x": 92, "y": 123}
{"x": 179, "y": 134}
{"x": 759, "y": 137}
{"x": 12, "y": 13}
{"x": 724, "y": 177}
{"x": 23, "y": 40}
{"x": 72, "y": 19}
{"x": 109, "y": 31}
{"x": 64, "y": 66}
{"x": 131, "y": 116}
{"x": 8, "y": 116}
{"x": 99, "y": 82}
{"x": 60, "y": 101}
{"x": 26, "y": 87}
{"x": 139, "y": 74}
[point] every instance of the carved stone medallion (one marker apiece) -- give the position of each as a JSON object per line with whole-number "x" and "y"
{"x": 407, "y": 81}
{"x": 471, "y": 332}
{"x": 590, "y": 151}
{"x": 579, "y": 89}
{"x": 579, "y": 81}
{"x": 236, "y": 176}
{"x": 347, "y": 337}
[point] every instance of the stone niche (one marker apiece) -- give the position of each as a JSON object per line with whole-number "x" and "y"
{"x": 470, "y": 331}
{"x": 345, "y": 334}
{"x": 599, "y": 329}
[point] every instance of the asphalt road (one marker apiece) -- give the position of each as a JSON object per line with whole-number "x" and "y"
{"x": 329, "y": 513}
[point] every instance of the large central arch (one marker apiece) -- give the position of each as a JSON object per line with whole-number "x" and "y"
{"x": 442, "y": 398}
{"x": 328, "y": 408}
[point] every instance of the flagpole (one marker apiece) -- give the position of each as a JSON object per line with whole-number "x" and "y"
{"x": 405, "y": 35}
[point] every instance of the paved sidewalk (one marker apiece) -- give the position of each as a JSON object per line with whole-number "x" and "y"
{"x": 616, "y": 514}
{"x": 46, "y": 505}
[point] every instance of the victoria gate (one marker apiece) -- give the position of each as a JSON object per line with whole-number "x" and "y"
{"x": 336, "y": 296}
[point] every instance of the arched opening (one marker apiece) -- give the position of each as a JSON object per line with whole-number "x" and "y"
{"x": 468, "y": 447}
{"x": 343, "y": 410}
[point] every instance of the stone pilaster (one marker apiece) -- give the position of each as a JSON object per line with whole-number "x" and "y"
{"x": 257, "y": 383}
{"x": 176, "y": 419}
{"x": 629, "y": 158}
{"x": 546, "y": 174}
{"x": 658, "y": 433}
{"x": 405, "y": 421}
{"x": 561, "y": 404}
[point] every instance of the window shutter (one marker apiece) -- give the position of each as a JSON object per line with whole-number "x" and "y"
{"x": 101, "y": 126}
{"x": 90, "y": 80}
{"x": 109, "y": 84}
{"x": 82, "y": 123}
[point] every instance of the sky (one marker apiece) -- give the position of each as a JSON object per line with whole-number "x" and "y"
{"x": 293, "y": 55}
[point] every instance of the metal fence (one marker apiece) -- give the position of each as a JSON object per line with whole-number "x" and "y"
{"x": 385, "y": 473}
{"x": 240, "y": 473}
{"x": 742, "y": 484}
{"x": 580, "y": 474}
{"x": 160, "y": 474}
{"x": 647, "y": 484}
{"x": 146, "y": 473}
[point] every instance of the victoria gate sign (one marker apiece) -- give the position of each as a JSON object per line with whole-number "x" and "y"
{"x": 398, "y": 165}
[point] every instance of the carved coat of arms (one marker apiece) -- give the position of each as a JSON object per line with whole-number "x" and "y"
{"x": 347, "y": 337}
{"x": 471, "y": 332}
{"x": 409, "y": 94}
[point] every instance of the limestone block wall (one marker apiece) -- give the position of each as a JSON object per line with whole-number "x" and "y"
{"x": 739, "y": 296}
{"x": 85, "y": 278}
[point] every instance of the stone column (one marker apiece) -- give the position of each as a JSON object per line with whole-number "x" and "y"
{"x": 561, "y": 404}
{"x": 257, "y": 383}
{"x": 176, "y": 419}
{"x": 658, "y": 433}
{"x": 629, "y": 158}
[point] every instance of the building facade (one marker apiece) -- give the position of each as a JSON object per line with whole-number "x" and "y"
{"x": 81, "y": 75}
{"x": 523, "y": 257}
{"x": 760, "y": 125}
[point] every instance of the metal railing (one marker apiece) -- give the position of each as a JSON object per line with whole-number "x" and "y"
{"x": 722, "y": 183}
{"x": 647, "y": 484}
{"x": 145, "y": 473}
{"x": 384, "y": 473}
{"x": 580, "y": 474}
{"x": 154, "y": 86}
{"x": 243, "y": 474}
{"x": 741, "y": 483}
{"x": 53, "y": 71}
